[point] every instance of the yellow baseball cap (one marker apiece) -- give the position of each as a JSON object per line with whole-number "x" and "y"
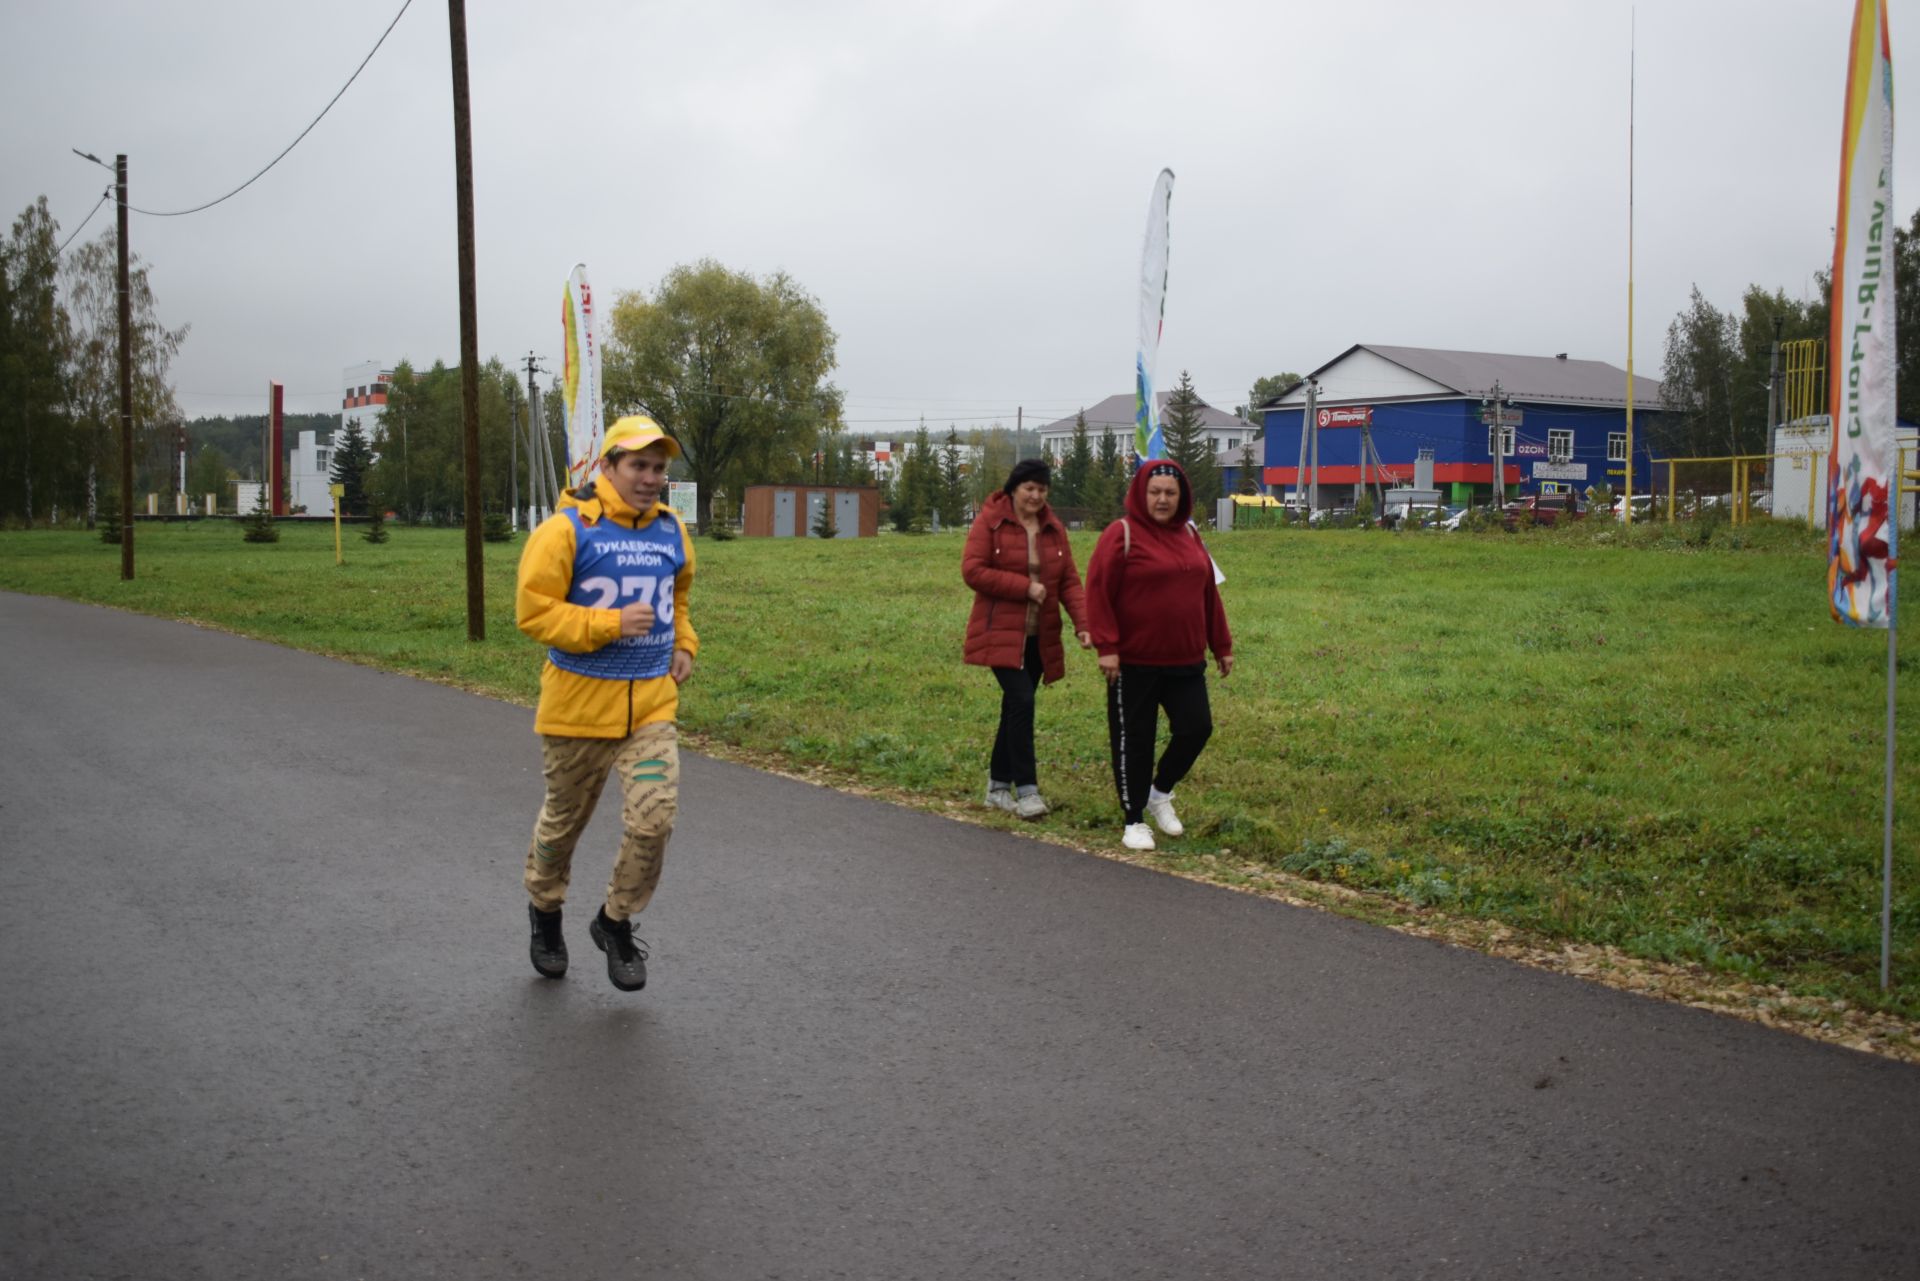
{"x": 636, "y": 432}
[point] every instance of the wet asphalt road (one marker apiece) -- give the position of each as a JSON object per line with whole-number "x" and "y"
{"x": 267, "y": 1013}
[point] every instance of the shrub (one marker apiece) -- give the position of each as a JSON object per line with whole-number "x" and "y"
{"x": 259, "y": 527}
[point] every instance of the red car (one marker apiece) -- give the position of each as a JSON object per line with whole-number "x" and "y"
{"x": 1542, "y": 509}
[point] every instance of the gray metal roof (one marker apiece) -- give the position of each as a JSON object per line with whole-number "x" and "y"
{"x": 1536, "y": 378}
{"x": 1116, "y": 412}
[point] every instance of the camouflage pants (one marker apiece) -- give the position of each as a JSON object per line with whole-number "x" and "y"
{"x": 648, "y": 764}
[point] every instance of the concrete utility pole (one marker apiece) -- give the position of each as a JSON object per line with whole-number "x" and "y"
{"x": 469, "y": 338}
{"x": 537, "y": 480}
{"x": 125, "y": 301}
{"x": 1370, "y": 463}
{"x": 1367, "y": 450}
{"x": 1306, "y": 425}
{"x": 513, "y": 457}
{"x": 1497, "y": 441}
{"x": 540, "y": 445}
{"x": 1313, "y": 425}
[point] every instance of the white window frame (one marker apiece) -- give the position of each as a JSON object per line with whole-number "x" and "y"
{"x": 1506, "y": 441}
{"x": 1616, "y": 446}
{"x": 1559, "y": 444}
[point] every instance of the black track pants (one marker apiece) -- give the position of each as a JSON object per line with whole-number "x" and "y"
{"x": 1012, "y": 760}
{"x": 1134, "y": 700}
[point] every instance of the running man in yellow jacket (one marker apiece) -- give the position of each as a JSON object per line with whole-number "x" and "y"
{"x": 603, "y": 584}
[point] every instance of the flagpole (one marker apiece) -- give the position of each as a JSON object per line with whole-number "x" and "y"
{"x": 1886, "y": 855}
{"x": 1626, "y": 488}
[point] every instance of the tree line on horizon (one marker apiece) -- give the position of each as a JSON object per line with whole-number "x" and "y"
{"x": 735, "y": 367}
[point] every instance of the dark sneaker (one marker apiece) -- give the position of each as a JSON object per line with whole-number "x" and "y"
{"x": 548, "y": 946}
{"x": 626, "y": 955}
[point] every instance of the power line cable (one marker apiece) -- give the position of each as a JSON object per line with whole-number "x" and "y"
{"x": 84, "y": 221}
{"x": 176, "y": 213}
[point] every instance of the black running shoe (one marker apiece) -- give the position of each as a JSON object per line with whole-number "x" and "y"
{"x": 626, "y": 955}
{"x": 548, "y": 946}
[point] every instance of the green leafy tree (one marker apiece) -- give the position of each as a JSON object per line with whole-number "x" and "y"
{"x": 1076, "y": 469}
{"x": 1697, "y": 379}
{"x": 494, "y": 527}
{"x": 1906, "y": 302}
{"x": 90, "y": 277}
{"x": 108, "y": 524}
{"x": 1264, "y": 389}
{"x": 41, "y": 463}
{"x": 1715, "y": 376}
{"x": 351, "y": 459}
{"x": 732, "y": 367}
{"x": 207, "y": 474}
{"x": 259, "y": 527}
{"x": 421, "y": 447}
{"x": 916, "y": 487}
{"x": 1180, "y": 424}
{"x": 1107, "y": 494}
{"x": 376, "y": 530}
{"x": 823, "y": 526}
{"x": 1187, "y": 444}
{"x": 952, "y": 497}
{"x": 997, "y": 452}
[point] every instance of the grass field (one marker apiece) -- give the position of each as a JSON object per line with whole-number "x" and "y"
{"x": 1664, "y": 747}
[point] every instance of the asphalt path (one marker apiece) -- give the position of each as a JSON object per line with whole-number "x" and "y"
{"x": 267, "y": 1013}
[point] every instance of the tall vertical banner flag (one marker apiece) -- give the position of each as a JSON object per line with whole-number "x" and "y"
{"x": 1863, "y": 463}
{"x": 1862, "y": 466}
{"x": 580, "y": 378}
{"x": 1147, "y": 439}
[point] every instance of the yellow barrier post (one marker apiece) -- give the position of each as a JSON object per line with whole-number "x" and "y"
{"x": 338, "y": 492}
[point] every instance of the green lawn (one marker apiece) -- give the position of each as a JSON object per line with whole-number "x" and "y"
{"x": 1662, "y": 746}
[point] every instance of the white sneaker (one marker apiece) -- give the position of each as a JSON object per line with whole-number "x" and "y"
{"x": 1161, "y": 812}
{"x": 1138, "y": 836}
{"x": 1030, "y": 806}
{"x": 1000, "y": 798}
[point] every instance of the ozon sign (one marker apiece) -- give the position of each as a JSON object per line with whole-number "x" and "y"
{"x": 1355, "y": 416}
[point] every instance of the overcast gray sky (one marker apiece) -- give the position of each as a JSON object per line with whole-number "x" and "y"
{"x": 963, "y": 185}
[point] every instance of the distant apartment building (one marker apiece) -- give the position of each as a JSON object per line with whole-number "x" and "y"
{"x": 363, "y": 393}
{"x": 1114, "y": 417}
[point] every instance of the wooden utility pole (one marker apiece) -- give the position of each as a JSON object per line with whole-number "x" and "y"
{"x": 125, "y": 301}
{"x": 469, "y": 338}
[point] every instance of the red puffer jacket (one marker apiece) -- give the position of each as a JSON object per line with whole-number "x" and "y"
{"x": 995, "y": 566}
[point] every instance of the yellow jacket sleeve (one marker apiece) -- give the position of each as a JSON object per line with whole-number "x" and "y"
{"x": 540, "y": 604}
{"x": 684, "y": 637}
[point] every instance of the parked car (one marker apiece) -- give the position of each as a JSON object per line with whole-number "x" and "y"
{"x": 1642, "y": 507}
{"x": 1542, "y": 509}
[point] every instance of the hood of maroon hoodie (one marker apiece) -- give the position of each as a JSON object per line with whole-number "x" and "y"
{"x": 1137, "y": 494}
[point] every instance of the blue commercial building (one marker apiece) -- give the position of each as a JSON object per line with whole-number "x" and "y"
{"x": 1383, "y": 412}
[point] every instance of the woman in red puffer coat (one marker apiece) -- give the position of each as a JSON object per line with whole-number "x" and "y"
{"x": 1155, "y": 611}
{"x": 1021, "y": 570}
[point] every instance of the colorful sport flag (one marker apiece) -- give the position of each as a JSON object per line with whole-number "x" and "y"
{"x": 580, "y": 378}
{"x": 1862, "y": 465}
{"x": 1147, "y": 440}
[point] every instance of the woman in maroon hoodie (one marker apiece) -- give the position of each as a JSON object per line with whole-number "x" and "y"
{"x": 1021, "y": 570}
{"x": 1154, "y": 611}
